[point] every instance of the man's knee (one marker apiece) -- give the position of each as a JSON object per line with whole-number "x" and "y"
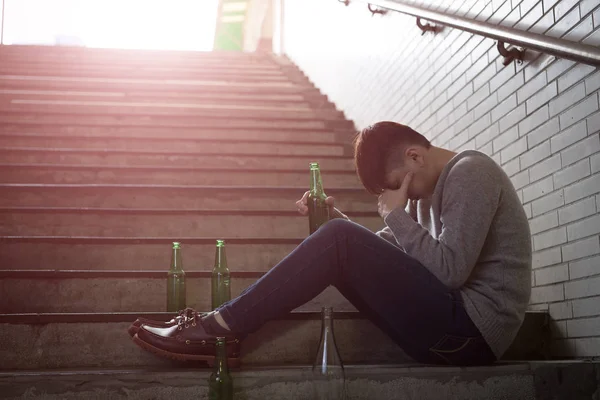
{"x": 338, "y": 225}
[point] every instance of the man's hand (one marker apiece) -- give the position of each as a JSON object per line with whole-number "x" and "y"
{"x": 302, "y": 204}
{"x": 389, "y": 200}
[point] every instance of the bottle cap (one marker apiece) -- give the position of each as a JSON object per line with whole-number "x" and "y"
{"x": 220, "y": 243}
{"x": 176, "y": 245}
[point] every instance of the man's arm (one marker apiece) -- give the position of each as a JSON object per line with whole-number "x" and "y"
{"x": 469, "y": 203}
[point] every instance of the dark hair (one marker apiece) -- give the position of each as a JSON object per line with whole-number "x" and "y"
{"x": 373, "y": 147}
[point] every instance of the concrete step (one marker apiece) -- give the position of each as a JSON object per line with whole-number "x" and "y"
{"x": 232, "y": 73}
{"x": 138, "y": 253}
{"x": 262, "y": 135}
{"x": 506, "y": 380}
{"x": 258, "y": 67}
{"x": 56, "y": 61}
{"x": 110, "y": 107}
{"x": 172, "y": 196}
{"x": 83, "y": 340}
{"x": 200, "y": 157}
{"x": 149, "y": 175}
{"x": 218, "y": 73}
{"x": 122, "y": 222}
{"x": 73, "y": 55}
{"x": 87, "y": 291}
{"x": 32, "y": 82}
{"x": 172, "y": 122}
{"x": 94, "y": 57}
{"x": 290, "y": 101}
{"x": 79, "y": 340}
{"x": 173, "y": 144}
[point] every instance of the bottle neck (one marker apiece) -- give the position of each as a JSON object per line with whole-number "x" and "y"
{"x": 220, "y": 258}
{"x": 327, "y": 321}
{"x": 176, "y": 263}
{"x": 316, "y": 184}
{"x": 221, "y": 358}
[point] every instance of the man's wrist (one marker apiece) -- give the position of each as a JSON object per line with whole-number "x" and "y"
{"x": 338, "y": 214}
{"x": 396, "y": 212}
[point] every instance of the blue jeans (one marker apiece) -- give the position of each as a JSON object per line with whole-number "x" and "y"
{"x": 424, "y": 317}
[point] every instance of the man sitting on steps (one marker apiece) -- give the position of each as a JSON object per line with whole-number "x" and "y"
{"x": 448, "y": 278}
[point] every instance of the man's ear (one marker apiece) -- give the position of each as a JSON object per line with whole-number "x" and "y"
{"x": 414, "y": 156}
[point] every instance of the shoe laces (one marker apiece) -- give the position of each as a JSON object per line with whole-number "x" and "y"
{"x": 187, "y": 318}
{"x": 187, "y": 311}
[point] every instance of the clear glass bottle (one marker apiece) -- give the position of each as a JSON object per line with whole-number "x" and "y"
{"x": 328, "y": 370}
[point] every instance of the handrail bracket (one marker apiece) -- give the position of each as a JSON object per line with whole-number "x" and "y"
{"x": 427, "y": 27}
{"x": 514, "y": 54}
{"x": 374, "y": 11}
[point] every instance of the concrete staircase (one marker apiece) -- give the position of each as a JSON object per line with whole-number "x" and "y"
{"x": 107, "y": 156}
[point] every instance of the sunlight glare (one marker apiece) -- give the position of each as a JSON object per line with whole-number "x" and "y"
{"x": 129, "y": 24}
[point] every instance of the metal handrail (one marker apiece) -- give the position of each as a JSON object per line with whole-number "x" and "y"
{"x": 557, "y": 47}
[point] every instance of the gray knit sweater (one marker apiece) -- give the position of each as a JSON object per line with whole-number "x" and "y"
{"x": 473, "y": 235}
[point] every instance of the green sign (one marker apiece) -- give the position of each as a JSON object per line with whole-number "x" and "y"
{"x": 229, "y": 34}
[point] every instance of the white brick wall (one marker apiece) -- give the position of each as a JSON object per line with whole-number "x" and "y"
{"x": 540, "y": 120}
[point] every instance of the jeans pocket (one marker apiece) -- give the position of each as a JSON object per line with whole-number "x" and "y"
{"x": 461, "y": 350}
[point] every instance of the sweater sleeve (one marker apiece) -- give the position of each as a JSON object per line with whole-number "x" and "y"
{"x": 469, "y": 202}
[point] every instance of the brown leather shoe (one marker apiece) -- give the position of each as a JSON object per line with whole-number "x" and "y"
{"x": 185, "y": 341}
{"x": 135, "y": 326}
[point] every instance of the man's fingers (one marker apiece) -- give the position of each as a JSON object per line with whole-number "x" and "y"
{"x": 304, "y": 199}
{"x": 302, "y": 208}
{"x": 406, "y": 184}
{"x": 301, "y": 204}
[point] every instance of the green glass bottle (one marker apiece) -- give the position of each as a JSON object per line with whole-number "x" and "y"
{"x": 318, "y": 211}
{"x": 176, "y": 281}
{"x": 221, "y": 279}
{"x": 220, "y": 383}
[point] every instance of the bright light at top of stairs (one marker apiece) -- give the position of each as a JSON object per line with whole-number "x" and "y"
{"x": 235, "y": 7}
{"x": 232, "y": 18}
{"x": 129, "y": 24}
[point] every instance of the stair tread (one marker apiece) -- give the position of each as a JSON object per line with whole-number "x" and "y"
{"x": 114, "y": 317}
{"x": 149, "y": 240}
{"x": 183, "y": 187}
{"x": 134, "y": 131}
{"x": 167, "y": 153}
{"x": 171, "y": 110}
{"x": 144, "y": 96}
{"x": 164, "y": 168}
{"x": 406, "y": 380}
{"x": 198, "y": 211}
{"x": 125, "y": 316}
{"x": 120, "y": 273}
{"x": 160, "y": 121}
{"x": 159, "y": 103}
{"x": 253, "y": 370}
